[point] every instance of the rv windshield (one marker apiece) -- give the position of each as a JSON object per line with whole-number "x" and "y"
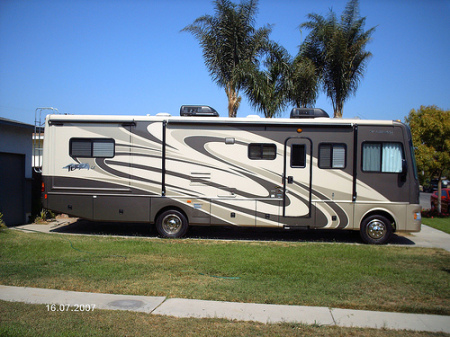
{"x": 413, "y": 156}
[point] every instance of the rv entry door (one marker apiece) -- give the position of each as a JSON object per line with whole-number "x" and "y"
{"x": 297, "y": 177}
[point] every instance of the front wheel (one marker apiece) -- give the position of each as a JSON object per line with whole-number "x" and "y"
{"x": 172, "y": 224}
{"x": 376, "y": 229}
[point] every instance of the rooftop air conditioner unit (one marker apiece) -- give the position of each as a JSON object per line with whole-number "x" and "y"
{"x": 308, "y": 113}
{"x": 198, "y": 111}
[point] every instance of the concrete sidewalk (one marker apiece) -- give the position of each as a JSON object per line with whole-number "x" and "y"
{"x": 265, "y": 313}
{"x": 430, "y": 237}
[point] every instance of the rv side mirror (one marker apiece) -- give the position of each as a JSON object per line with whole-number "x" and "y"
{"x": 404, "y": 166}
{"x": 404, "y": 169}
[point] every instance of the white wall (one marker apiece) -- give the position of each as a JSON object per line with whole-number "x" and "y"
{"x": 17, "y": 139}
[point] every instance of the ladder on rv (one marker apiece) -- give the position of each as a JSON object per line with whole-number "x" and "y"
{"x": 38, "y": 137}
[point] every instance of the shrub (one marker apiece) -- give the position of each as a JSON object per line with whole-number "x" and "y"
{"x": 44, "y": 215}
{"x": 2, "y": 223}
{"x": 433, "y": 213}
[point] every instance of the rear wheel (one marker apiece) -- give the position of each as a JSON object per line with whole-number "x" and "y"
{"x": 376, "y": 229}
{"x": 172, "y": 224}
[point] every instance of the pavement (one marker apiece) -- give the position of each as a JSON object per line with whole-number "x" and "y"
{"x": 265, "y": 313}
{"x": 428, "y": 237}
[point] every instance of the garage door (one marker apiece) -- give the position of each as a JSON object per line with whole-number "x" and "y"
{"x": 12, "y": 184}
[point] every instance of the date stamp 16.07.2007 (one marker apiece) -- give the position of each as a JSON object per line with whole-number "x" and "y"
{"x": 70, "y": 307}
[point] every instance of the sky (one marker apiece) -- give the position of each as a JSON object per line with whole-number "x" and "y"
{"x": 128, "y": 57}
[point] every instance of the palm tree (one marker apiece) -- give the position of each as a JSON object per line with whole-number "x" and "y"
{"x": 303, "y": 82}
{"x": 231, "y": 45}
{"x": 267, "y": 89}
{"x": 337, "y": 49}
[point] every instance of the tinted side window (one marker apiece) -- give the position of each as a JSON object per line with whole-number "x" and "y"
{"x": 258, "y": 151}
{"x": 332, "y": 156}
{"x": 91, "y": 148}
{"x": 298, "y": 155}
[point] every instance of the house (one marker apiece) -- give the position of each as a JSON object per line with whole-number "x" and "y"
{"x": 15, "y": 171}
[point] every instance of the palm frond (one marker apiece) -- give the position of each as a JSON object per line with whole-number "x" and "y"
{"x": 337, "y": 49}
{"x": 231, "y": 45}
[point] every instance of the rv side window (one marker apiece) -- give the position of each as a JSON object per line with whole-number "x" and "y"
{"x": 332, "y": 156}
{"x": 382, "y": 157}
{"x": 298, "y": 155}
{"x": 262, "y": 151}
{"x": 91, "y": 148}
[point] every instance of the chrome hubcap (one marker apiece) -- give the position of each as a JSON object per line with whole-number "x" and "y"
{"x": 376, "y": 229}
{"x": 171, "y": 224}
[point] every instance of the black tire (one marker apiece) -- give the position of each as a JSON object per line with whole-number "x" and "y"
{"x": 172, "y": 224}
{"x": 376, "y": 230}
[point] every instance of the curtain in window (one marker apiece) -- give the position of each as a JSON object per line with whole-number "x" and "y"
{"x": 103, "y": 149}
{"x": 392, "y": 158}
{"x": 338, "y": 156}
{"x": 372, "y": 157}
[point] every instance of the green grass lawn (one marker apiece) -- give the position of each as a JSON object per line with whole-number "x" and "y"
{"x": 443, "y": 224}
{"x": 27, "y": 320}
{"x": 367, "y": 277}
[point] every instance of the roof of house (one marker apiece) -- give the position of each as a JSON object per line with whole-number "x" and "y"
{"x": 11, "y": 122}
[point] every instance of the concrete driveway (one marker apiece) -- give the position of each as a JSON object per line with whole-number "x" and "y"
{"x": 428, "y": 237}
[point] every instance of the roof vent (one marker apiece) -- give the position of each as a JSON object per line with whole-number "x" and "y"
{"x": 308, "y": 113}
{"x": 162, "y": 114}
{"x": 198, "y": 111}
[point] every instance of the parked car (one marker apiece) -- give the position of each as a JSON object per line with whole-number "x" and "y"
{"x": 445, "y": 200}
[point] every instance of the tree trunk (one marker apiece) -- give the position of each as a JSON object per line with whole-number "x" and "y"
{"x": 338, "y": 106}
{"x": 234, "y": 100}
{"x": 338, "y": 109}
{"x": 337, "y": 113}
{"x": 439, "y": 195}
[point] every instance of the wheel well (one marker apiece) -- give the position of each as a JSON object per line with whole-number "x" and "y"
{"x": 162, "y": 210}
{"x": 383, "y": 213}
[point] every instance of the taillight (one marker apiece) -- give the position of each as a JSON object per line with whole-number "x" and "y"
{"x": 42, "y": 187}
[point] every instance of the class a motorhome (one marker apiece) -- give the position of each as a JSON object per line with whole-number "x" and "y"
{"x": 304, "y": 172}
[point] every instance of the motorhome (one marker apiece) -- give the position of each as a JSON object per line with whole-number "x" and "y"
{"x": 304, "y": 172}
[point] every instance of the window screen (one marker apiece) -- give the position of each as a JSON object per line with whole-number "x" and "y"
{"x": 332, "y": 156}
{"x": 298, "y": 155}
{"x": 262, "y": 151}
{"x": 91, "y": 148}
{"x": 382, "y": 157}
